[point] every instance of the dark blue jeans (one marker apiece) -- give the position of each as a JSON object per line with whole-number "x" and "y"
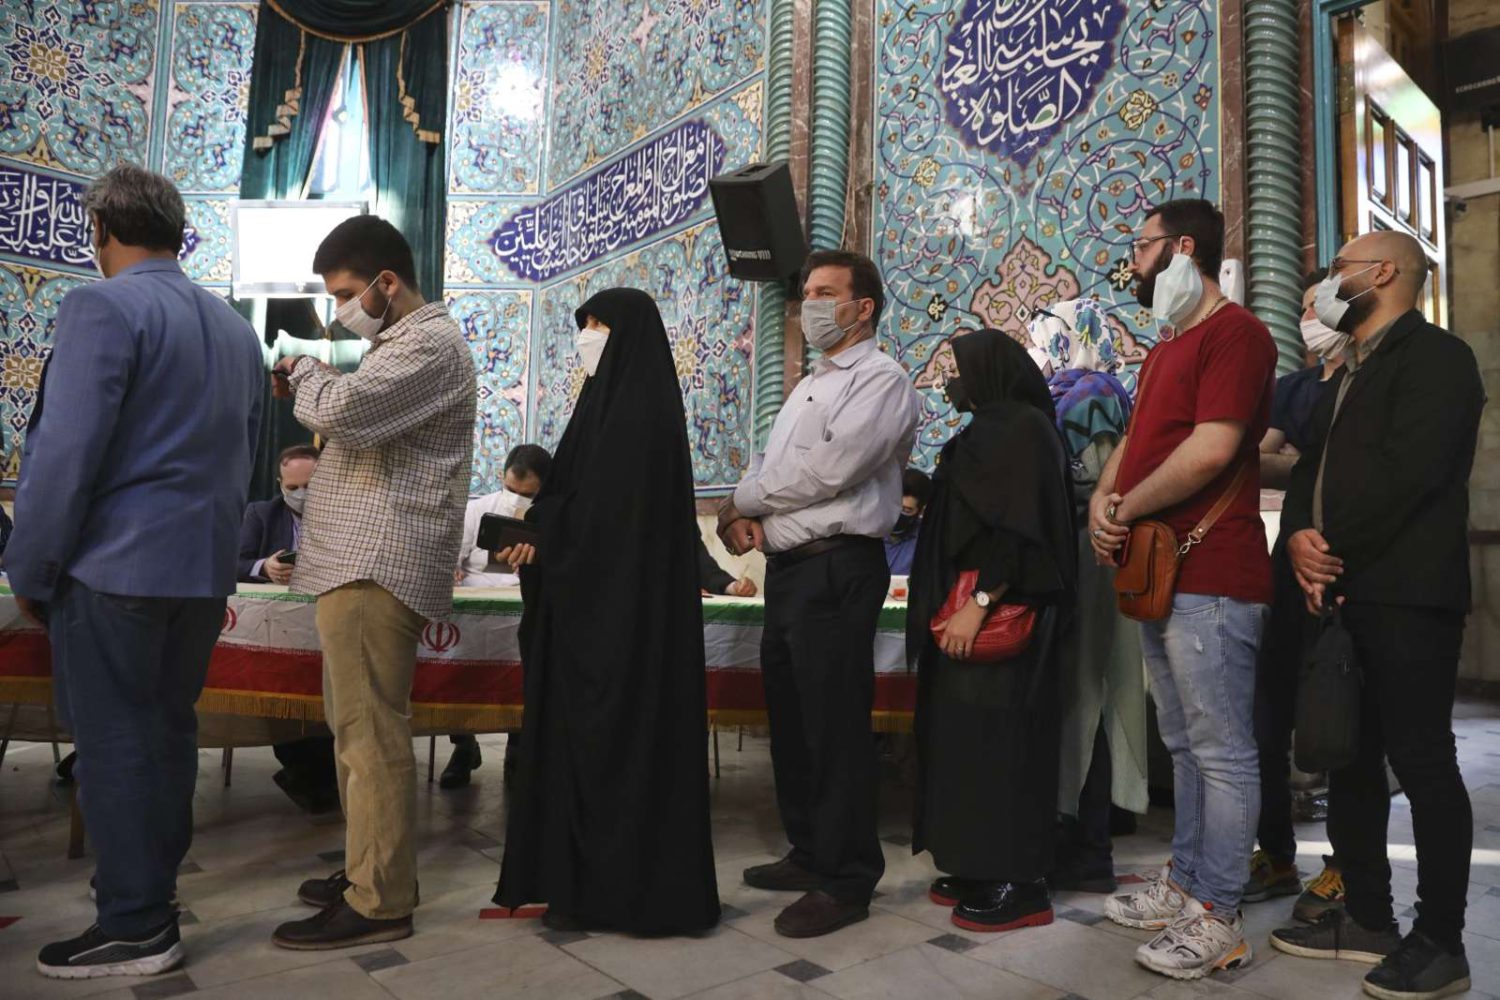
{"x": 126, "y": 672}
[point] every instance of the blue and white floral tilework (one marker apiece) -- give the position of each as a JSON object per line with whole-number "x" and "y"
{"x": 1016, "y": 147}
{"x": 497, "y": 325}
{"x": 624, "y": 70}
{"x": 498, "y": 99}
{"x": 29, "y": 298}
{"x": 208, "y": 94}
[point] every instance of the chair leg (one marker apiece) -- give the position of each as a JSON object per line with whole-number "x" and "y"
{"x": 431, "y": 757}
{"x": 741, "y": 747}
{"x": 75, "y": 828}
{"x": 716, "y": 751}
{"x": 52, "y": 731}
{"x": 10, "y": 726}
{"x": 228, "y": 764}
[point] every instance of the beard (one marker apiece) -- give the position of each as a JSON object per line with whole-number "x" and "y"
{"x": 1145, "y": 290}
{"x": 1359, "y": 310}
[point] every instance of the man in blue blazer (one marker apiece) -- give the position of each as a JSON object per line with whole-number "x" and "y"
{"x": 133, "y": 482}
{"x": 274, "y": 527}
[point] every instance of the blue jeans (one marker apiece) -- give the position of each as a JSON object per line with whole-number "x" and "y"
{"x": 1202, "y": 667}
{"x": 126, "y": 672}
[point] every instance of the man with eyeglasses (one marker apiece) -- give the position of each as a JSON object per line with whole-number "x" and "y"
{"x": 1377, "y": 522}
{"x": 1202, "y": 406}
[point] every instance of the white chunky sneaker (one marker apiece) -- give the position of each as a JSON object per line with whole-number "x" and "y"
{"x": 1199, "y": 943}
{"x": 1152, "y": 908}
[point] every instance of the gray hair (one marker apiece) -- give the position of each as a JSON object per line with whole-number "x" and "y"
{"x": 138, "y": 208}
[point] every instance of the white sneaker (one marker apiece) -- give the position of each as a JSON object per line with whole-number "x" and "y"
{"x": 1197, "y": 944}
{"x": 1153, "y": 908}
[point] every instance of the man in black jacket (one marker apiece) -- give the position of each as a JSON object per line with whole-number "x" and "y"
{"x": 1377, "y": 521}
{"x": 272, "y": 527}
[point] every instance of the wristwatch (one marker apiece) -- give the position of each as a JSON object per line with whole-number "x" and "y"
{"x": 982, "y": 598}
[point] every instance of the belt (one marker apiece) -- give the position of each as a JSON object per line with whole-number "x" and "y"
{"x": 817, "y": 547}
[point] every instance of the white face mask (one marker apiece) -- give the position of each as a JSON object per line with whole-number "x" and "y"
{"x": 1178, "y": 290}
{"x": 1322, "y": 340}
{"x": 819, "y": 325}
{"x": 512, "y": 504}
{"x": 591, "y": 343}
{"x": 1327, "y": 304}
{"x": 353, "y": 317}
{"x": 296, "y": 499}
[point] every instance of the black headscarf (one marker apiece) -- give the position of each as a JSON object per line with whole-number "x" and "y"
{"x": 609, "y": 819}
{"x": 1005, "y": 472}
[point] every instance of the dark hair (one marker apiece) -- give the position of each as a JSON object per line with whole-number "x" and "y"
{"x": 1313, "y": 278}
{"x": 529, "y": 460}
{"x": 364, "y": 246}
{"x": 138, "y": 208}
{"x": 297, "y": 451}
{"x": 916, "y": 483}
{"x": 864, "y": 276}
{"x": 1205, "y": 224}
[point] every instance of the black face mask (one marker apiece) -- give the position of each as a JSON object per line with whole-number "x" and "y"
{"x": 958, "y": 395}
{"x": 905, "y": 523}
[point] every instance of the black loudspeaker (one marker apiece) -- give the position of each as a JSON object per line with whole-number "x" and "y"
{"x": 758, "y": 222}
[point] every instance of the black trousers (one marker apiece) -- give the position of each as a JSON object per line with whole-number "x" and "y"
{"x": 1410, "y": 661}
{"x": 1276, "y": 676}
{"x": 818, "y": 662}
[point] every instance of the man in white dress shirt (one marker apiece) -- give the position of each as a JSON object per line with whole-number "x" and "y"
{"x": 819, "y": 502}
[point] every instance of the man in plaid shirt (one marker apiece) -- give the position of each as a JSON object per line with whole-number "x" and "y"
{"x": 380, "y": 538}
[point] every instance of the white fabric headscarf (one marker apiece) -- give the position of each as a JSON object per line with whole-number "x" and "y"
{"x": 1073, "y": 334}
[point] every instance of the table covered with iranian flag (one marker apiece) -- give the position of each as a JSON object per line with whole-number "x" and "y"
{"x": 265, "y": 679}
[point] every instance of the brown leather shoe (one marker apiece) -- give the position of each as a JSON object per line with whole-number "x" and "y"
{"x": 782, "y": 876}
{"x": 339, "y": 926}
{"x": 818, "y": 913}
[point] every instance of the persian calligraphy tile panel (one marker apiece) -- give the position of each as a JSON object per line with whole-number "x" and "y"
{"x": 76, "y": 81}
{"x": 29, "y": 298}
{"x": 469, "y": 260}
{"x": 42, "y": 217}
{"x": 499, "y": 98}
{"x": 710, "y": 320}
{"x": 497, "y": 325}
{"x": 646, "y": 190}
{"x": 622, "y": 70}
{"x": 208, "y": 94}
{"x": 206, "y": 244}
{"x": 1016, "y": 145}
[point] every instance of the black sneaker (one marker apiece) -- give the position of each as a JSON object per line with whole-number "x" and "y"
{"x": 465, "y": 758}
{"x": 94, "y": 954}
{"x": 1335, "y": 935}
{"x": 339, "y": 926}
{"x": 1004, "y": 906}
{"x": 1418, "y": 970}
{"x": 324, "y": 892}
{"x": 783, "y": 876}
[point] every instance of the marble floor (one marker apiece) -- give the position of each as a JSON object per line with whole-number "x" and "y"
{"x": 253, "y": 847}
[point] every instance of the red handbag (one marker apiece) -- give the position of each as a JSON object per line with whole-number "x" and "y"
{"x": 1006, "y": 632}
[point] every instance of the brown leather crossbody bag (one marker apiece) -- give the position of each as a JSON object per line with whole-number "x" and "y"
{"x": 1146, "y": 577}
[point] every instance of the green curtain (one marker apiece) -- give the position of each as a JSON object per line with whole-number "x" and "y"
{"x": 355, "y": 20}
{"x": 292, "y": 82}
{"x": 406, "y": 89}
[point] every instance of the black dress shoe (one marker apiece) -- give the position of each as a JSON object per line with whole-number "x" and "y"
{"x": 323, "y": 892}
{"x": 818, "y": 913}
{"x": 949, "y": 889}
{"x": 65, "y": 769}
{"x": 1004, "y": 906}
{"x": 783, "y": 876}
{"x": 1076, "y": 876}
{"x": 465, "y": 758}
{"x": 339, "y": 926}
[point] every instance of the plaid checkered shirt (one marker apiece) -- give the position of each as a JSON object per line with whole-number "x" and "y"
{"x": 387, "y": 501}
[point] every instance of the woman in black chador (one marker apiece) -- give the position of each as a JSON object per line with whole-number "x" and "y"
{"x": 608, "y": 817}
{"x": 987, "y": 733}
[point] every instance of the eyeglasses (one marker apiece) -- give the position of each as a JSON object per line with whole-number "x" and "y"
{"x": 1337, "y": 264}
{"x": 1138, "y": 247}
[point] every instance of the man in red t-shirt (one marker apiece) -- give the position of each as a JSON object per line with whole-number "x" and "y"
{"x": 1202, "y": 406}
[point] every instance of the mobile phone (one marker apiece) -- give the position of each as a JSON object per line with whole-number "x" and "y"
{"x": 498, "y": 533}
{"x": 289, "y": 558}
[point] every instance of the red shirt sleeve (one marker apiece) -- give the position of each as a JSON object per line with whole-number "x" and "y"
{"x": 1236, "y": 365}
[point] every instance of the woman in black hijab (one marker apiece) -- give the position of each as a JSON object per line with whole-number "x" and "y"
{"x": 608, "y": 819}
{"x": 987, "y": 733}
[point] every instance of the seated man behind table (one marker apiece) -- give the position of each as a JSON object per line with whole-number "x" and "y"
{"x": 525, "y": 468}
{"x": 272, "y": 529}
{"x": 901, "y": 543}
